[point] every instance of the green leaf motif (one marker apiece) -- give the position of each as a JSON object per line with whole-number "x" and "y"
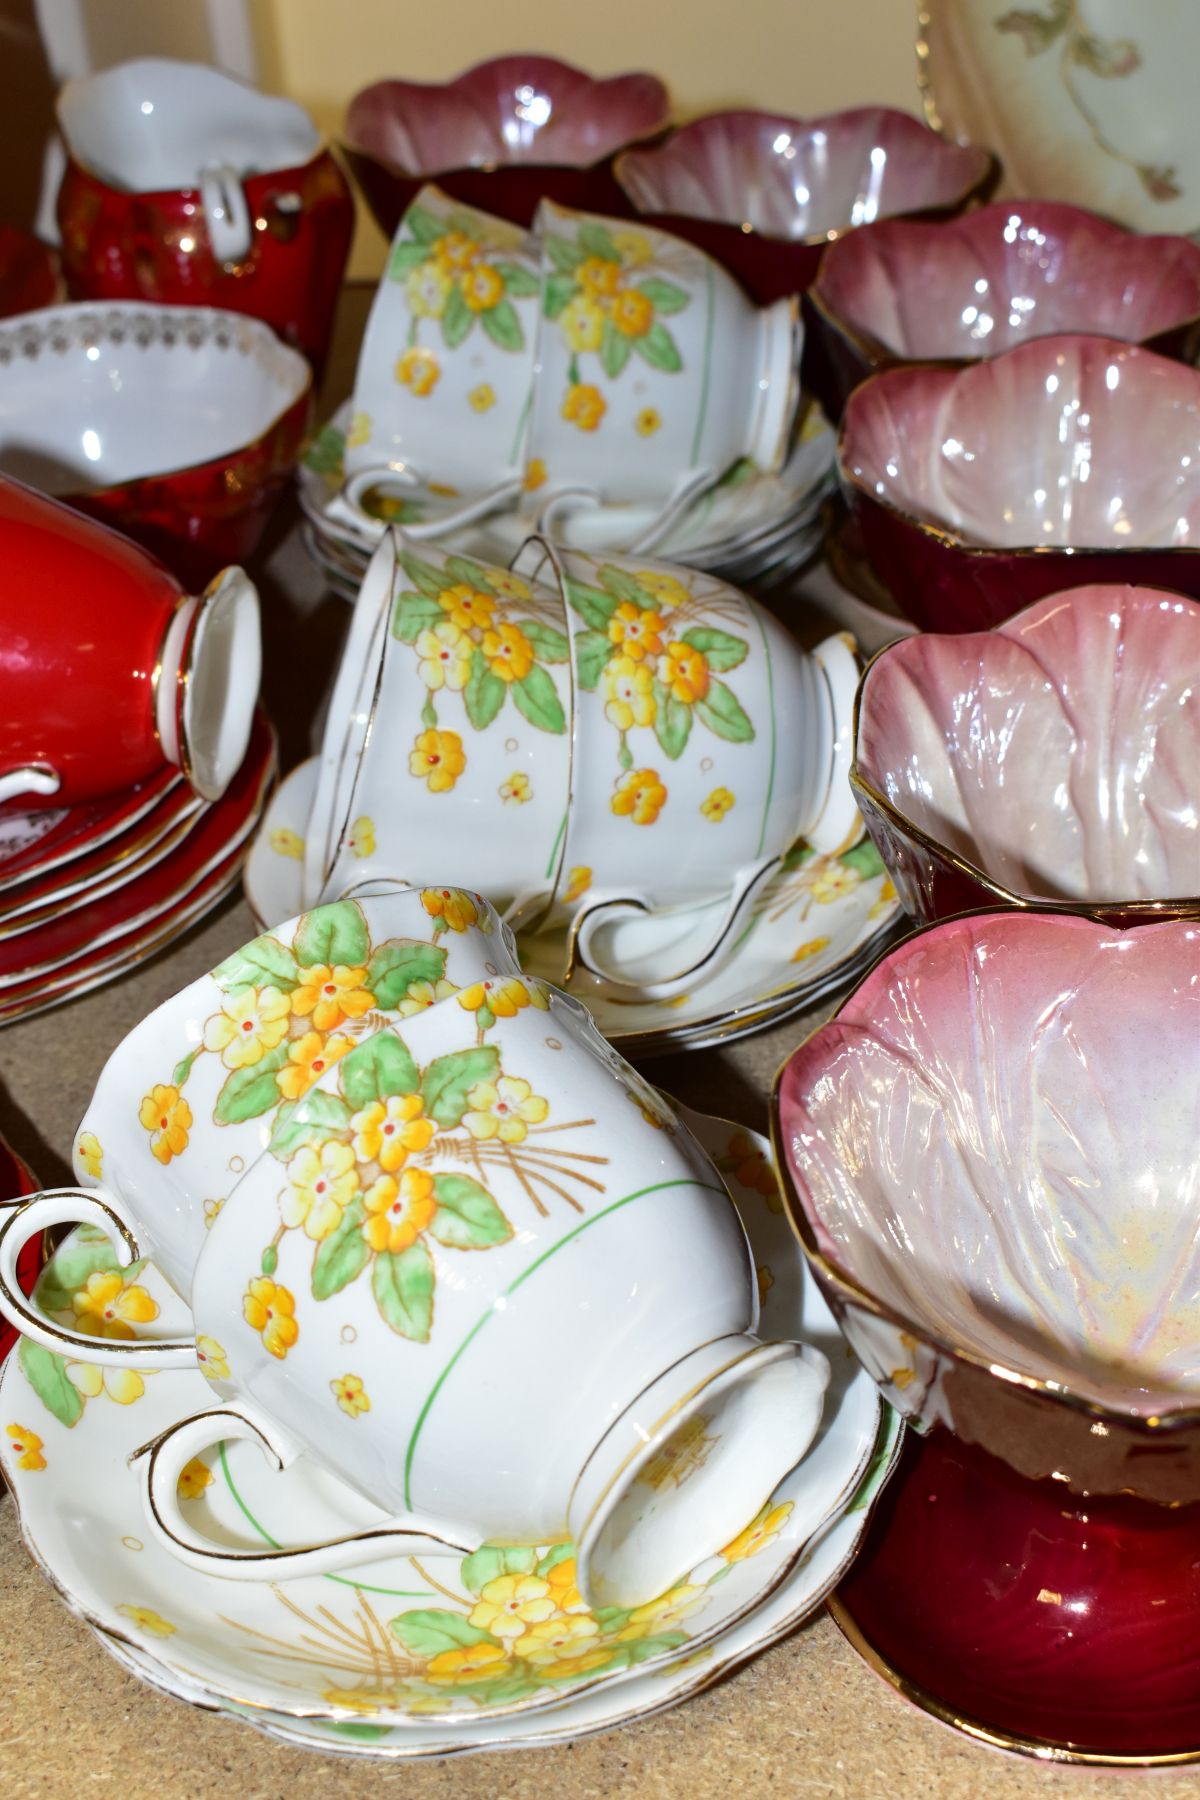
{"x": 593, "y": 607}
{"x": 249, "y": 1092}
{"x": 592, "y": 652}
{"x": 264, "y": 963}
{"x": 503, "y": 326}
{"x": 309, "y": 1120}
{"x": 565, "y": 256}
{"x": 519, "y": 281}
{"x": 404, "y": 258}
{"x": 642, "y": 1649}
{"x": 484, "y": 693}
{"x": 537, "y": 698}
{"x": 664, "y": 296}
{"x": 343, "y": 1255}
{"x": 596, "y": 240}
{"x": 269, "y": 1261}
{"x": 626, "y": 587}
{"x": 333, "y": 934}
{"x": 448, "y": 1079}
{"x": 457, "y": 319}
{"x": 551, "y": 645}
{"x": 46, "y": 1373}
{"x": 672, "y": 721}
{"x": 615, "y": 350}
{"x": 426, "y": 1633}
{"x": 425, "y": 226}
{"x": 720, "y": 711}
{"x": 381, "y": 1066}
{"x": 414, "y": 613}
{"x": 494, "y": 1560}
{"x": 467, "y": 1218}
{"x": 470, "y": 574}
{"x": 402, "y": 1284}
{"x": 183, "y": 1067}
{"x": 659, "y": 349}
{"x": 720, "y": 649}
{"x": 557, "y": 1553}
{"x": 560, "y": 291}
{"x": 427, "y": 579}
{"x": 326, "y": 454}
{"x": 71, "y": 1266}
{"x": 397, "y": 965}
{"x": 863, "y": 858}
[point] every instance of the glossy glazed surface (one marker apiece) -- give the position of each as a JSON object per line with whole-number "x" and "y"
{"x": 16, "y": 1181}
{"x": 28, "y": 272}
{"x": 1055, "y": 757}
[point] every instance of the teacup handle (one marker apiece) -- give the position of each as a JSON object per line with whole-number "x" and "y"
{"x": 163, "y": 1460}
{"x": 35, "y": 778}
{"x": 76, "y": 1206}
{"x": 346, "y": 507}
{"x": 838, "y": 822}
{"x": 225, "y": 212}
{"x": 584, "y": 950}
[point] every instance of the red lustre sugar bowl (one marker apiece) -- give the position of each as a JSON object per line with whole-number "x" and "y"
{"x": 1052, "y": 762}
{"x": 765, "y": 194}
{"x": 992, "y": 1157}
{"x": 109, "y": 669}
{"x": 501, "y": 136}
{"x": 1064, "y": 462}
{"x": 903, "y": 291}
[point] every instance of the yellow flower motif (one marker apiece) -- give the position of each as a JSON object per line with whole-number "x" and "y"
{"x": 468, "y": 608}
{"x": 719, "y": 802}
{"x": 647, "y": 422}
{"x": 632, "y": 313}
{"x": 535, "y": 475}
{"x": 579, "y": 880}
{"x": 418, "y": 371}
{"x": 428, "y": 289}
{"x": 668, "y": 590}
{"x": 635, "y": 632}
{"x": 249, "y": 1024}
{"x": 330, "y": 995}
{"x": 357, "y": 1700}
{"x": 270, "y": 1310}
{"x": 516, "y": 790}
{"x": 509, "y": 652}
{"x": 510, "y": 1604}
{"x": 751, "y": 1169}
{"x": 194, "y": 1477}
{"x": 639, "y": 795}
{"x": 321, "y": 1184}
{"x": 556, "y": 1640}
{"x": 445, "y": 654}
{"x": 667, "y": 1610}
{"x": 390, "y": 1131}
{"x": 398, "y": 1210}
{"x": 146, "y": 1619}
{"x": 504, "y": 999}
{"x": 437, "y": 758}
{"x": 482, "y": 287}
{"x": 455, "y": 251}
{"x": 351, "y": 1396}
{"x": 474, "y": 1662}
{"x": 26, "y": 1447}
{"x": 167, "y": 1116}
{"x": 629, "y": 693}
{"x": 887, "y": 899}
{"x": 122, "y": 1385}
{"x": 212, "y": 1209}
{"x": 833, "y": 882}
{"x": 813, "y": 947}
{"x": 453, "y": 906}
{"x": 287, "y": 843}
{"x": 583, "y": 405}
{"x": 564, "y": 1590}
{"x": 684, "y": 672}
{"x": 108, "y": 1308}
{"x": 509, "y": 585}
{"x": 309, "y": 1057}
{"x": 359, "y": 432}
{"x": 582, "y": 322}
{"x": 759, "y": 1533}
{"x": 633, "y": 247}
{"x": 88, "y": 1154}
{"x": 423, "y": 994}
{"x": 212, "y": 1358}
{"x": 481, "y": 399}
{"x": 599, "y": 276}
{"x": 505, "y": 1109}
{"x": 361, "y": 841}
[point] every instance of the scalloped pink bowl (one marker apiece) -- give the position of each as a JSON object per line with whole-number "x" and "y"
{"x": 903, "y": 291}
{"x": 765, "y": 193}
{"x": 1052, "y": 761}
{"x": 1067, "y": 461}
{"x": 501, "y": 136}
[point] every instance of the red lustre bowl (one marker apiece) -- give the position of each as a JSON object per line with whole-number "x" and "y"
{"x": 1050, "y": 762}
{"x": 17, "y": 1181}
{"x": 765, "y": 194}
{"x": 180, "y": 426}
{"x": 901, "y": 291}
{"x": 1068, "y": 461}
{"x": 28, "y": 272}
{"x": 992, "y": 1156}
{"x": 502, "y": 136}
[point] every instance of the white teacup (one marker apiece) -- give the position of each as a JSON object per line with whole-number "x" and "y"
{"x": 214, "y": 1076}
{"x": 538, "y": 1319}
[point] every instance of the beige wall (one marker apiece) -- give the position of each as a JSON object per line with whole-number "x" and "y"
{"x": 796, "y": 56}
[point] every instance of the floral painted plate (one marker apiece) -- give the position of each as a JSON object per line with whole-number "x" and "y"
{"x": 407, "y": 1641}
{"x": 33, "y": 844}
{"x": 817, "y": 923}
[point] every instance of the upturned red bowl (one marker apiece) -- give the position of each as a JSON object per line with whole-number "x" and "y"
{"x": 28, "y": 272}
{"x": 765, "y": 194}
{"x": 1068, "y": 461}
{"x": 902, "y": 291}
{"x": 502, "y": 136}
{"x": 1052, "y": 762}
{"x": 992, "y": 1157}
{"x": 16, "y": 1182}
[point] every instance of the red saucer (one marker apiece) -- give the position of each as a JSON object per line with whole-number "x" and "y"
{"x": 15, "y": 1182}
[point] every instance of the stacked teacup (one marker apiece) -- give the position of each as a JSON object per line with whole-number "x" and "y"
{"x": 374, "y": 1158}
